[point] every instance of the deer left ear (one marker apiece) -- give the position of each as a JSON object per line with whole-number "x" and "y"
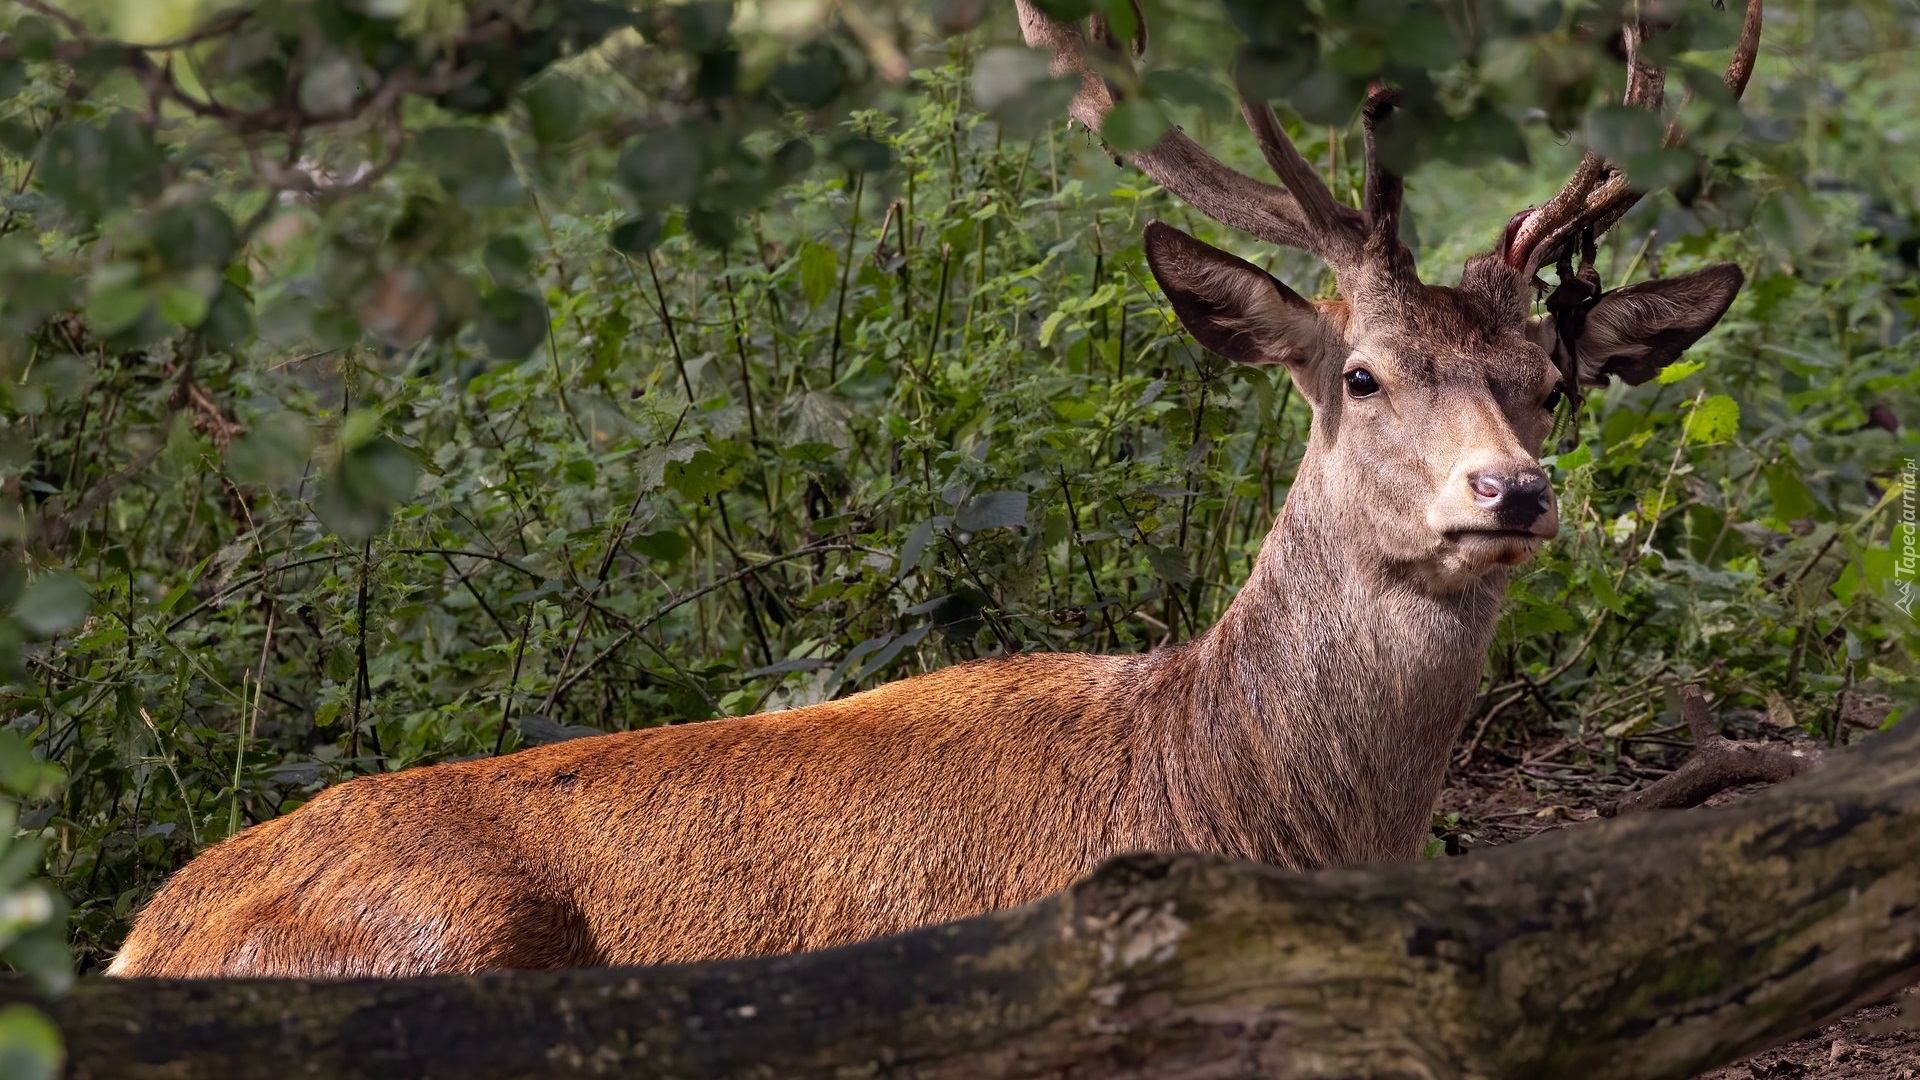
{"x": 1231, "y": 306}
{"x": 1636, "y": 331}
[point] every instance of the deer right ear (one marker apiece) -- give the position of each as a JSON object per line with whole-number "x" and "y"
{"x": 1635, "y": 331}
{"x": 1231, "y": 306}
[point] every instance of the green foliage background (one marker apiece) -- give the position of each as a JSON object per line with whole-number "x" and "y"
{"x": 615, "y": 379}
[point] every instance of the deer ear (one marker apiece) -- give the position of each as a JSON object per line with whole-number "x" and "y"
{"x": 1636, "y": 331}
{"x": 1231, "y": 306}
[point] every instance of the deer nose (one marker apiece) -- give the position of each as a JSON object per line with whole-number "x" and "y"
{"x": 1517, "y": 497}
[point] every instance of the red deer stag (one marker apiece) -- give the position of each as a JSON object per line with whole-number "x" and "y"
{"x": 1310, "y": 727}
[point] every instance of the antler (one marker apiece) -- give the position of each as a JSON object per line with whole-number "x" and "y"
{"x": 1600, "y": 192}
{"x": 1302, "y": 213}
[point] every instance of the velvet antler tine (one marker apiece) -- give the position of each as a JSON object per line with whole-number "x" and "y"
{"x": 1317, "y": 205}
{"x": 1176, "y": 162}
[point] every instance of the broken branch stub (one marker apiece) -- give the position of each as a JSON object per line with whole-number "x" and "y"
{"x": 1716, "y": 764}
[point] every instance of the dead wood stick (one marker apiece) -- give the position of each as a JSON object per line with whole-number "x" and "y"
{"x": 1717, "y": 763}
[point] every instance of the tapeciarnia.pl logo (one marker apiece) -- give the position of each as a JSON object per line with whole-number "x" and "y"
{"x": 1906, "y": 540}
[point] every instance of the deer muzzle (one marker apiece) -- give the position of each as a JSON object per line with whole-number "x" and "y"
{"x": 1506, "y": 505}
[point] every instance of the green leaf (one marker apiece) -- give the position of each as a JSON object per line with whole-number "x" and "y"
{"x": 29, "y": 1045}
{"x": 329, "y": 85}
{"x": 665, "y": 546}
{"x": 1679, "y": 370}
{"x": 609, "y": 342}
{"x": 1600, "y": 585}
{"x": 712, "y": 227}
{"x": 98, "y": 168}
{"x": 24, "y": 776}
{"x": 1005, "y": 73}
{"x": 1184, "y": 87}
{"x": 1531, "y": 616}
{"x": 861, "y": 154}
{"x": 229, "y": 321}
{"x": 1170, "y": 563}
{"x": 115, "y": 307}
{"x": 793, "y": 158}
{"x": 179, "y": 592}
{"x": 36, "y": 36}
{"x": 1017, "y": 88}
{"x": 705, "y": 473}
{"x": 1619, "y": 132}
{"x": 1792, "y": 501}
{"x": 472, "y": 163}
{"x": 956, "y": 16}
{"x": 18, "y": 139}
{"x": 19, "y": 254}
{"x": 812, "y": 77}
{"x": 957, "y": 615}
{"x": 361, "y": 427}
{"x": 53, "y": 604}
{"x": 1485, "y": 134}
{"x": 193, "y": 234}
{"x": 1714, "y": 420}
{"x": 183, "y": 307}
{"x": 1420, "y": 37}
{"x": 1634, "y": 139}
{"x": 513, "y": 324}
{"x": 274, "y": 451}
{"x": 1580, "y": 455}
{"x": 1051, "y": 326}
{"x": 1847, "y": 583}
{"x": 1074, "y": 410}
{"x": 556, "y": 108}
{"x": 664, "y": 168}
{"x": 1134, "y": 125}
{"x": 819, "y": 268}
{"x": 508, "y": 259}
{"x": 914, "y": 546}
{"x": 698, "y": 27}
{"x": 637, "y": 235}
{"x": 356, "y": 498}
{"x": 1328, "y": 97}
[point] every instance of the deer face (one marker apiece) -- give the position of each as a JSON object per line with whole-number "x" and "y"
{"x": 1430, "y": 403}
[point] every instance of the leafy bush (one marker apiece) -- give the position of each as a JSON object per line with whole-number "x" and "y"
{"x": 641, "y": 380}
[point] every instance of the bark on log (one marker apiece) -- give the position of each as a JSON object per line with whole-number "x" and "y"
{"x": 1654, "y": 945}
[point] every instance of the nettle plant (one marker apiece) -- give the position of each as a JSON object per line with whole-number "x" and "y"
{"x": 389, "y": 383}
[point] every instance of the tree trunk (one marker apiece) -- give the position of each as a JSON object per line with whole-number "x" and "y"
{"x": 1654, "y": 945}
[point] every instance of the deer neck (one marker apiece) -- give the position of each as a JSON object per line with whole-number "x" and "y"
{"x": 1312, "y": 725}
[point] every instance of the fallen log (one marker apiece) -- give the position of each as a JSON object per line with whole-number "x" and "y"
{"x": 1652, "y": 945}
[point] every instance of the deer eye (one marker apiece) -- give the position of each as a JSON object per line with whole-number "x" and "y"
{"x": 1553, "y": 400}
{"x": 1361, "y": 383}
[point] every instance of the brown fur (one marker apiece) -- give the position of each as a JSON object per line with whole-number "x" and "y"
{"x": 1309, "y": 728}
{"x": 976, "y": 787}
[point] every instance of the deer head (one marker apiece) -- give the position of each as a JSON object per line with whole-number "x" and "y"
{"x": 1430, "y": 402}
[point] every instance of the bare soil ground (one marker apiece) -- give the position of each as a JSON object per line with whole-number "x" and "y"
{"x": 1509, "y": 792}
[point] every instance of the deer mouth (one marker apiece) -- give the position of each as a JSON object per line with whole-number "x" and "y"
{"x": 1521, "y": 536}
{"x": 1487, "y": 548}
